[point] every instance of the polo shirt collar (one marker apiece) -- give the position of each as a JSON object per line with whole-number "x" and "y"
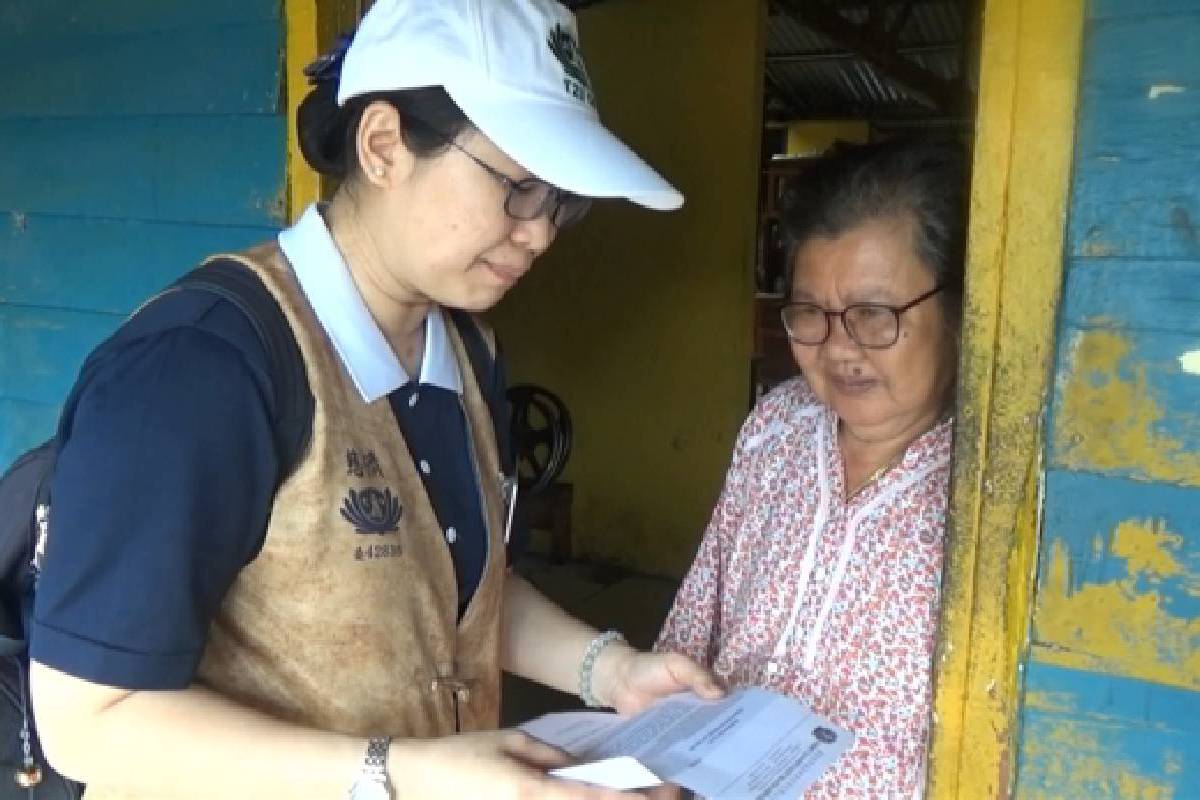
{"x": 364, "y": 351}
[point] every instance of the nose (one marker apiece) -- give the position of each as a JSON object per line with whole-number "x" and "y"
{"x": 535, "y": 235}
{"x": 839, "y": 336}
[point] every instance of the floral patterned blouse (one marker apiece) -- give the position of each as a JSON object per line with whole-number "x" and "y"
{"x": 829, "y": 600}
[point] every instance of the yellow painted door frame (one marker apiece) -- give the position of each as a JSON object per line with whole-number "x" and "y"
{"x": 310, "y": 28}
{"x": 300, "y": 48}
{"x": 1022, "y": 164}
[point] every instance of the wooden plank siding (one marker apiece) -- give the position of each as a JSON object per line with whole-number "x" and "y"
{"x": 1092, "y": 735}
{"x": 43, "y": 17}
{"x": 1112, "y": 680}
{"x": 208, "y": 170}
{"x": 93, "y": 75}
{"x": 34, "y": 271}
{"x": 141, "y": 135}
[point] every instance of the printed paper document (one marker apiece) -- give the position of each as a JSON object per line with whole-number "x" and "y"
{"x": 753, "y": 744}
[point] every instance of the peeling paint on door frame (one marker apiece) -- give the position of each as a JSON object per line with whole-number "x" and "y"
{"x": 1023, "y": 152}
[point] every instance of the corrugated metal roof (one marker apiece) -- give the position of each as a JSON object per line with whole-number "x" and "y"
{"x": 810, "y": 75}
{"x": 832, "y": 89}
{"x": 786, "y": 35}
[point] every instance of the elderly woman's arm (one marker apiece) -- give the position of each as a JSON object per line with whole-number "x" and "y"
{"x": 693, "y": 623}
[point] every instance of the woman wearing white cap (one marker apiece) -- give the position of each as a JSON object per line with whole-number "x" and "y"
{"x": 339, "y": 630}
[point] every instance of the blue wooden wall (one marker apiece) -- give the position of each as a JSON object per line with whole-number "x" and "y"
{"x": 1112, "y": 680}
{"x": 136, "y": 136}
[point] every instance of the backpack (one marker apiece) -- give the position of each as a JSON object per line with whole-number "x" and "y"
{"x": 25, "y": 504}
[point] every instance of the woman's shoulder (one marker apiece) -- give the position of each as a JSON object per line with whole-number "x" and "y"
{"x": 789, "y": 406}
{"x": 791, "y": 400}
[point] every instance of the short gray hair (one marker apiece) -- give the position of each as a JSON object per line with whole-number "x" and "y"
{"x": 926, "y": 182}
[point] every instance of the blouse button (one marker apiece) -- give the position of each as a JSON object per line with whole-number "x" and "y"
{"x": 412, "y": 401}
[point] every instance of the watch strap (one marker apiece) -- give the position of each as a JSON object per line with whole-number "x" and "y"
{"x": 372, "y": 779}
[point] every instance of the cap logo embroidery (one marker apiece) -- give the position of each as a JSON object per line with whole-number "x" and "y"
{"x": 372, "y": 511}
{"x": 566, "y": 49}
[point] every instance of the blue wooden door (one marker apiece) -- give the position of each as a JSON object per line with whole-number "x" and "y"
{"x": 136, "y": 136}
{"x": 1112, "y": 681}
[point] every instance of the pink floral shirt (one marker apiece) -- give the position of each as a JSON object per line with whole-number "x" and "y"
{"x": 834, "y": 602}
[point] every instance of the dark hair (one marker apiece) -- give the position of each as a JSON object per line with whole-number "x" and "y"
{"x": 858, "y": 183}
{"x": 327, "y": 131}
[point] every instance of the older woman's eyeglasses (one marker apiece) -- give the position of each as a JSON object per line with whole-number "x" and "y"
{"x": 531, "y": 198}
{"x": 871, "y": 325}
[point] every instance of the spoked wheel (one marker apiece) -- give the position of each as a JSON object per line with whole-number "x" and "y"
{"x": 541, "y": 434}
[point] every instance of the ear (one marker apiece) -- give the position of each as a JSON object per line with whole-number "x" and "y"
{"x": 382, "y": 155}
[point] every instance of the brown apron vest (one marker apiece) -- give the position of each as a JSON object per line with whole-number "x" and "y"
{"x": 347, "y": 619}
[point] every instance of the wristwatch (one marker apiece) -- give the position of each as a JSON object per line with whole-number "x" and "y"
{"x": 372, "y": 782}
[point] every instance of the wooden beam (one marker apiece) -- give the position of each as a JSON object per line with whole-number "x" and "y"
{"x": 1019, "y": 191}
{"x": 809, "y": 56}
{"x": 311, "y": 27}
{"x": 924, "y": 86}
{"x": 300, "y": 48}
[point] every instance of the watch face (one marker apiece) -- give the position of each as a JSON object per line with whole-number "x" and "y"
{"x": 367, "y": 789}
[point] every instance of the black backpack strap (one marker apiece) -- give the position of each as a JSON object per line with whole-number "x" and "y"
{"x": 483, "y": 364}
{"x": 24, "y": 490}
{"x": 237, "y": 283}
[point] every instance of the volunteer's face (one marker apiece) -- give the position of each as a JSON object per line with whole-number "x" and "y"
{"x": 881, "y": 393}
{"x": 444, "y": 229}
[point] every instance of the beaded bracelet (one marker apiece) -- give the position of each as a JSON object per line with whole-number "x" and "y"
{"x": 589, "y": 663}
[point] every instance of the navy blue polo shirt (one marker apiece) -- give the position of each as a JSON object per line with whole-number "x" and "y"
{"x": 165, "y": 482}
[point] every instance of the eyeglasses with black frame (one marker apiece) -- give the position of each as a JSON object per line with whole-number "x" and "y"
{"x": 875, "y": 326}
{"x": 528, "y": 198}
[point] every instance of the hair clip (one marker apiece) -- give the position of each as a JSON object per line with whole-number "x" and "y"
{"x": 328, "y": 67}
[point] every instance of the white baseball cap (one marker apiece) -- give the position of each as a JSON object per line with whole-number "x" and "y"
{"x": 515, "y": 69}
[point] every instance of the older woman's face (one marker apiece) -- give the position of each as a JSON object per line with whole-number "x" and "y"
{"x": 880, "y": 394}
